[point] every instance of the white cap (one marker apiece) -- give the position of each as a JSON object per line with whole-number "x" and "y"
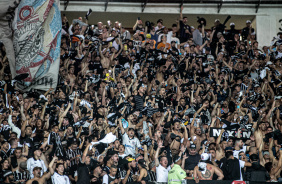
{"x": 248, "y": 21}
{"x": 253, "y": 33}
{"x": 192, "y": 27}
{"x": 205, "y": 156}
{"x": 232, "y": 24}
{"x": 269, "y": 63}
{"x": 217, "y": 20}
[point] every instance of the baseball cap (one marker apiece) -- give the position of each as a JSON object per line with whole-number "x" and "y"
{"x": 160, "y": 20}
{"x": 4, "y": 141}
{"x": 35, "y": 147}
{"x": 232, "y": 24}
{"x": 192, "y": 45}
{"x": 131, "y": 129}
{"x": 254, "y": 157}
{"x": 138, "y": 155}
{"x": 130, "y": 159}
{"x": 217, "y": 20}
{"x": 148, "y": 36}
{"x": 228, "y": 148}
{"x": 142, "y": 163}
{"x": 23, "y": 165}
{"x": 35, "y": 168}
{"x": 176, "y": 159}
{"x": 266, "y": 153}
{"x": 7, "y": 173}
{"x": 248, "y": 22}
{"x": 253, "y": 33}
{"x": 269, "y": 63}
{"x": 192, "y": 146}
{"x": 205, "y": 156}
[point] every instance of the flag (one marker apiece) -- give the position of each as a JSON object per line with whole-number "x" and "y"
{"x": 37, "y": 39}
{"x": 7, "y": 13}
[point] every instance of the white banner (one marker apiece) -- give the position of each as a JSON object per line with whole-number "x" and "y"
{"x": 37, "y": 39}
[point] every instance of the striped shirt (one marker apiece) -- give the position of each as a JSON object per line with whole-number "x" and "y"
{"x": 152, "y": 176}
{"x": 21, "y": 175}
{"x": 123, "y": 174}
{"x": 139, "y": 102}
{"x": 244, "y": 87}
{"x": 72, "y": 154}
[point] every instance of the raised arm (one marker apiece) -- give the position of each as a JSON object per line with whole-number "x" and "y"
{"x": 43, "y": 110}
{"x": 121, "y": 127}
{"x": 23, "y": 128}
{"x": 135, "y": 25}
{"x": 100, "y": 52}
{"x": 51, "y": 165}
{"x": 85, "y": 153}
{"x": 181, "y": 16}
{"x": 160, "y": 145}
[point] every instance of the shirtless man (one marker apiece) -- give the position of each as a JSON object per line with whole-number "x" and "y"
{"x": 37, "y": 172}
{"x": 71, "y": 75}
{"x": 207, "y": 170}
{"x": 260, "y": 133}
{"x": 19, "y": 157}
{"x": 160, "y": 73}
{"x": 220, "y": 146}
{"x": 105, "y": 59}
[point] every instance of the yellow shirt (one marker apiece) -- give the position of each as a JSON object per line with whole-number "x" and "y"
{"x": 176, "y": 174}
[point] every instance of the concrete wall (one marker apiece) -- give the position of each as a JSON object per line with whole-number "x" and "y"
{"x": 265, "y": 21}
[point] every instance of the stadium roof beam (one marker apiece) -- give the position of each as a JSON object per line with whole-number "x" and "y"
{"x": 66, "y": 3}
{"x": 219, "y": 6}
{"x": 144, "y": 5}
{"x": 257, "y": 6}
{"x": 106, "y": 5}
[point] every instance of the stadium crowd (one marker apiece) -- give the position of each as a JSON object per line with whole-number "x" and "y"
{"x": 155, "y": 105}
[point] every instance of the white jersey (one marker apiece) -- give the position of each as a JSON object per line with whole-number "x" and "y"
{"x": 60, "y": 179}
{"x": 236, "y": 152}
{"x": 130, "y": 144}
{"x": 242, "y": 165}
{"x": 32, "y": 163}
{"x": 162, "y": 173}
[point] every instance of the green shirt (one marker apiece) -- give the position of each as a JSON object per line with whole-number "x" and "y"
{"x": 176, "y": 174}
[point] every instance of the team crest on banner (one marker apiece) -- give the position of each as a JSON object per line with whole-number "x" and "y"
{"x": 37, "y": 39}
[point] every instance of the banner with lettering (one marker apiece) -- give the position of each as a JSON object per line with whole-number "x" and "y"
{"x": 245, "y": 134}
{"x": 37, "y": 39}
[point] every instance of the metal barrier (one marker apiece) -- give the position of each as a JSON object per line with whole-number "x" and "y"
{"x": 225, "y": 182}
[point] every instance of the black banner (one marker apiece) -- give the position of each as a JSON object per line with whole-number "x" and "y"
{"x": 245, "y": 134}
